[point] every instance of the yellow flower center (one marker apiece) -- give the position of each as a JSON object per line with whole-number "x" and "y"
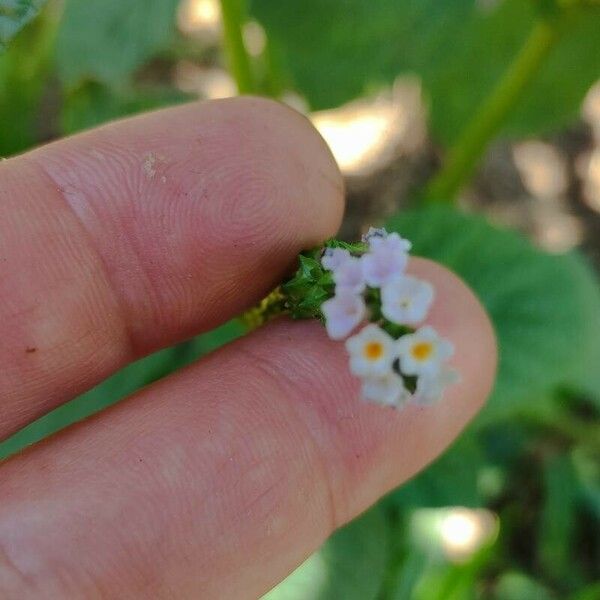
{"x": 422, "y": 350}
{"x": 373, "y": 350}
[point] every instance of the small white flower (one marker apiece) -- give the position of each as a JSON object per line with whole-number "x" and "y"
{"x": 423, "y": 352}
{"x": 371, "y": 352}
{"x": 342, "y": 314}
{"x": 386, "y": 259}
{"x": 406, "y": 300}
{"x": 430, "y": 388}
{"x": 388, "y": 390}
{"x": 349, "y": 276}
{"x": 333, "y": 258}
{"x": 391, "y": 242}
{"x": 373, "y": 233}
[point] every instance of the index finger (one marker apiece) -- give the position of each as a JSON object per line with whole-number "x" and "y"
{"x": 133, "y": 236}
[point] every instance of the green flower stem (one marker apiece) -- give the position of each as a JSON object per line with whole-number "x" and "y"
{"x": 268, "y": 308}
{"x": 463, "y": 158}
{"x": 233, "y": 14}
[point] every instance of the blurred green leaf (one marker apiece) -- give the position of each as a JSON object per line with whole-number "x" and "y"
{"x": 122, "y": 384}
{"x": 518, "y": 586}
{"x": 93, "y": 103}
{"x": 545, "y": 308}
{"x": 589, "y": 592}
{"x": 458, "y": 48}
{"x": 350, "y": 565}
{"x": 445, "y": 580}
{"x": 408, "y": 575}
{"x": 14, "y": 15}
{"x": 24, "y": 68}
{"x": 355, "y": 45}
{"x": 107, "y": 40}
{"x": 556, "y": 528}
{"x": 482, "y": 51}
{"x": 587, "y": 467}
{"x": 452, "y": 480}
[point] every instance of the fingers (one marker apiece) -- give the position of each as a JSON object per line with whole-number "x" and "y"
{"x": 217, "y": 482}
{"x": 136, "y": 235}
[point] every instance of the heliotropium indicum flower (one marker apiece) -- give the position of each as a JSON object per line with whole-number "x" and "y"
{"x": 349, "y": 276}
{"x": 386, "y": 259}
{"x": 406, "y": 300}
{"x": 364, "y": 287}
{"x": 372, "y": 352}
{"x": 343, "y": 313}
{"x": 389, "y": 389}
{"x": 333, "y": 258}
{"x": 423, "y": 352}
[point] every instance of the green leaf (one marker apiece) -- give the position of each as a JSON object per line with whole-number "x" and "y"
{"x": 14, "y": 15}
{"x": 452, "y": 480}
{"x": 482, "y": 51}
{"x": 355, "y": 45}
{"x": 558, "y": 518}
{"x": 108, "y": 40}
{"x": 590, "y": 592}
{"x": 514, "y": 585}
{"x": 93, "y": 103}
{"x": 350, "y": 565}
{"x": 408, "y": 575}
{"x": 24, "y": 69}
{"x": 458, "y": 48}
{"x": 587, "y": 467}
{"x": 545, "y": 308}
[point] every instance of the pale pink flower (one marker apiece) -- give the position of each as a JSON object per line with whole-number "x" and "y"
{"x": 342, "y": 314}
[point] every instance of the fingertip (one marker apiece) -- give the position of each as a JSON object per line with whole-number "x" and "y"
{"x": 312, "y": 161}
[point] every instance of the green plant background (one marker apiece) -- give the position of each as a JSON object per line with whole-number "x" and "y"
{"x": 531, "y": 457}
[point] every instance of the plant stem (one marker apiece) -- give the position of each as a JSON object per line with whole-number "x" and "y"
{"x": 463, "y": 157}
{"x": 232, "y": 12}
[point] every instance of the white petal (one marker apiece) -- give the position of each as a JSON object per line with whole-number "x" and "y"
{"x": 374, "y": 232}
{"x": 362, "y": 366}
{"x": 442, "y": 349}
{"x": 333, "y": 258}
{"x": 388, "y": 390}
{"x": 342, "y": 314}
{"x": 349, "y": 276}
{"x": 446, "y": 349}
{"x": 390, "y": 243}
{"x": 406, "y": 300}
{"x": 430, "y": 389}
{"x": 381, "y": 267}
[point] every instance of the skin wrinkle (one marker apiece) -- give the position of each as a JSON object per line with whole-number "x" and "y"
{"x": 109, "y": 290}
{"x": 136, "y": 267}
{"x": 20, "y": 333}
{"x": 282, "y": 383}
{"x": 323, "y": 425}
{"x": 13, "y": 581}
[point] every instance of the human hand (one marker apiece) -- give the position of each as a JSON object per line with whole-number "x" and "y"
{"x": 218, "y": 480}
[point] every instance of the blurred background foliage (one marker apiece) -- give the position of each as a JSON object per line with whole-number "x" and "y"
{"x": 472, "y": 127}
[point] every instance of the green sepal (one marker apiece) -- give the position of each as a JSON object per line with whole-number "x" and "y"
{"x": 308, "y": 288}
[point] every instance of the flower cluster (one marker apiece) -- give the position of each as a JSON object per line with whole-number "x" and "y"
{"x": 395, "y": 362}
